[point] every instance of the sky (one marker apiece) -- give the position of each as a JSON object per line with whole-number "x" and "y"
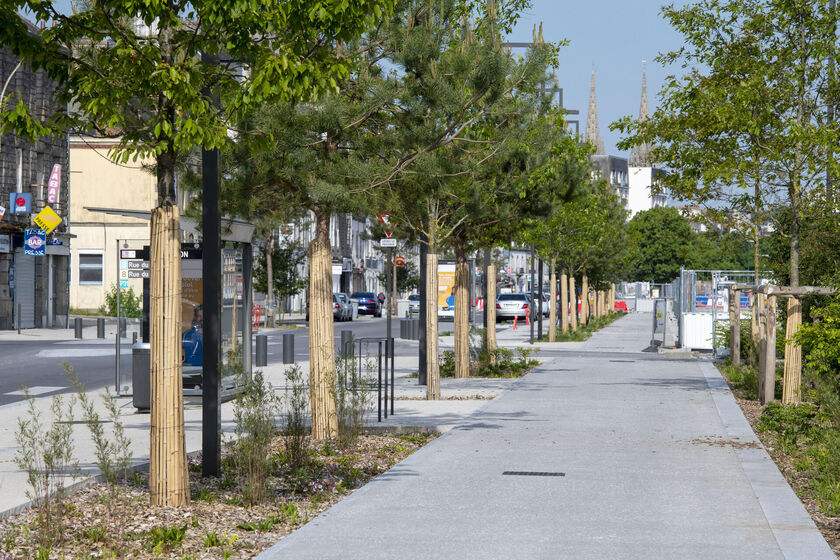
{"x": 613, "y": 37}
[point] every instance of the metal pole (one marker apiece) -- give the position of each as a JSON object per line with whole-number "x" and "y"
{"x": 379, "y": 385}
{"x": 487, "y": 285}
{"x": 248, "y": 305}
{"x": 422, "y": 365}
{"x": 540, "y": 296}
{"x": 389, "y": 273}
{"x": 533, "y": 294}
{"x": 387, "y": 356}
{"x": 117, "y": 336}
{"x": 392, "y": 377}
{"x": 211, "y": 268}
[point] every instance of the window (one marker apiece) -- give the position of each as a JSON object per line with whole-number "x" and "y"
{"x": 90, "y": 267}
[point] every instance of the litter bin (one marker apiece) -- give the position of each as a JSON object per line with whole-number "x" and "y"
{"x": 355, "y": 303}
{"x": 141, "y": 372}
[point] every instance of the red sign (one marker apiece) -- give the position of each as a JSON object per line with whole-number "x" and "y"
{"x": 386, "y": 221}
{"x": 399, "y": 261}
{"x": 2, "y": 213}
{"x": 54, "y": 185}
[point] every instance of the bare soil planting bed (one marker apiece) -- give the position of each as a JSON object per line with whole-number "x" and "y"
{"x": 217, "y": 523}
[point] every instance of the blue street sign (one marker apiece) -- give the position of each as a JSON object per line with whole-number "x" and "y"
{"x": 21, "y": 203}
{"x": 35, "y": 242}
{"x": 123, "y": 284}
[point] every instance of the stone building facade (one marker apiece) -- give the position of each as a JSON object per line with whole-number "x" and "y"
{"x": 34, "y": 290}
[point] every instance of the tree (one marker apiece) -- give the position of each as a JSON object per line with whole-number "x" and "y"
{"x": 141, "y": 71}
{"x": 408, "y": 277}
{"x": 660, "y": 240}
{"x": 287, "y": 281}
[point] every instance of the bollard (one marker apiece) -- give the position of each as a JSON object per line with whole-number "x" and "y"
{"x": 288, "y": 348}
{"x": 134, "y": 337}
{"x": 100, "y": 327}
{"x": 123, "y": 323}
{"x": 78, "y": 324}
{"x": 262, "y": 351}
{"x": 346, "y": 348}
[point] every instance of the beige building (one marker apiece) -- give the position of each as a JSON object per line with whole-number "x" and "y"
{"x": 97, "y": 182}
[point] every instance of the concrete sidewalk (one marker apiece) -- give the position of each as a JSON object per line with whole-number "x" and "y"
{"x": 605, "y": 452}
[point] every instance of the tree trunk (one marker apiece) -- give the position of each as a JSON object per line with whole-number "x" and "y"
{"x": 734, "y": 326}
{"x": 564, "y": 301}
{"x": 584, "y": 292}
{"x": 321, "y": 351}
{"x": 432, "y": 358}
{"x": 573, "y": 302}
{"x": 552, "y": 303}
{"x": 168, "y": 478}
{"x": 462, "y": 312}
{"x": 490, "y": 310}
{"x": 793, "y": 354}
{"x": 269, "y": 269}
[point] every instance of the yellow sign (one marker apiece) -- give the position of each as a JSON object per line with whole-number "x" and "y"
{"x": 47, "y": 219}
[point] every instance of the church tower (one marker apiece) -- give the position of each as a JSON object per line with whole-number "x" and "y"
{"x": 640, "y": 154}
{"x": 593, "y": 130}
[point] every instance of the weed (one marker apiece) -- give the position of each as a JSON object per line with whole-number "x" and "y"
{"x": 213, "y": 539}
{"x": 94, "y": 533}
{"x": 261, "y": 525}
{"x": 353, "y": 397}
{"x": 163, "y": 538}
{"x": 205, "y": 495}
{"x": 253, "y": 413}
{"x": 46, "y": 454}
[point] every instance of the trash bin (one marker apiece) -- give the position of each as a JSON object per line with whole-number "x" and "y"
{"x": 141, "y": 372}
{"x": 355, "y": 303}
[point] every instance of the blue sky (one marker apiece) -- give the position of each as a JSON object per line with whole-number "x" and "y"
{"x": 613, "y": 36}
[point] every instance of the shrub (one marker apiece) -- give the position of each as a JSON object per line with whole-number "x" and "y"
{"x": 297, "y": 404}
{"x": 131, "y": 304}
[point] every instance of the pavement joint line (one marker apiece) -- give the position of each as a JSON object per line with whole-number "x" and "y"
{"x": 792, "y": 527}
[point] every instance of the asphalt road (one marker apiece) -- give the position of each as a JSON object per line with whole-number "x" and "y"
{"x": 38, "y": 363}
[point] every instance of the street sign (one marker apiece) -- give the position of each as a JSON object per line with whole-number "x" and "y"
{"x": 137, "y": 273}
{"x": 2, "y": 212}
{"x": 138, "y": 254}
{"x": 388, "y": 242}
{"x": 35, "y": 242}
{"x": 21, "y": 203}
{"x": 55, "y": 242}
{"x": 47, "y": 219}
{"x": 137, "y": 265}
{"x": 123, "y": 284}
{"x": 54, "y": 184}
{"x": 386, "y": 221}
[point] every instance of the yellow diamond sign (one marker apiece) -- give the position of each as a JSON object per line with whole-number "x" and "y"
{"x": 47, "y": 219}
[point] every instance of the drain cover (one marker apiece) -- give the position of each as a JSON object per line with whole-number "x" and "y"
{"x": 624, "y": 361}
{"x": 533, "y": 473}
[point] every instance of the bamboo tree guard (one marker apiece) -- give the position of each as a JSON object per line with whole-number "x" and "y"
{"x": 168, "y": 477}
{"x": 612, "y": 299}
{"x": 793, "y": 354}
{"x": 734, "y": 325}
{"x": 433, "y": 364}
{"x": 490, "y": 310}
{"x": 573, "y": 304}
{"x": 321, "y": 334}
{"x": 584, "y": 304}
{"x": 462, "y": 316}
{"x": 552, "y": 303}
{"x": 564, "y": 302}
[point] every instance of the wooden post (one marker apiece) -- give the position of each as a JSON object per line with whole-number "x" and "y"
{"x": 791, "y": 392}
{"x": 573, "y": 303}
{"x": 168, "y": 477}
{"x": 612, "y": 298}
{"x": 584, "y": 307}
{"x": 432, "y": 360}
{"x": 768, "y": 372}
{"x": 552, "y": 302}
{"x": 735, "y": 327}
{"x": 564, "y": 302}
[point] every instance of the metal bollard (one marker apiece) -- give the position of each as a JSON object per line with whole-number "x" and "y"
{"x": 78, "y": 324}
{"x": 100, "y": 327}
{"x": 288, "y": 348}
{"x": 346, "y": 348}
{"x": 134, "y": 338}
{"x": 262, "y": 350}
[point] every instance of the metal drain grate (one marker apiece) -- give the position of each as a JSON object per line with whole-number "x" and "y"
{"x": 532, "y": 473}
{"x": 624, "y": 361}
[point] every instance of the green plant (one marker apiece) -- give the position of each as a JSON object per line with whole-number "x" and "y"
{"x": 213, "y": 539}
{"x": 789, "y": 423}
{"x": 131, "y": 304}
{"x": 95, "y": 533}
{"x": 164, "y": 538}
{"x": 353, "y": 397}
{"x": 45, "y": 453}
{"x": 254, "y": 412}
{"x": 205, "y": 495}
{"x": 297, "y": 404}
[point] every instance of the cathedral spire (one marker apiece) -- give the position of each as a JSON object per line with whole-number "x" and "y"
{"x": 640, "y": 154}
{"x": 593, "y": 130}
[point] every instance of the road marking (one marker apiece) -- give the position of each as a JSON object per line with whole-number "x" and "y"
{"x": 80, "y": 353}
{"x": 38, "y": 390}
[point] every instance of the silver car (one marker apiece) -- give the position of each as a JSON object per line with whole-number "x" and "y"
{"x": 345, "y": 310}
{"x": 509, "y": 306}
{"x": 414, "y": 304}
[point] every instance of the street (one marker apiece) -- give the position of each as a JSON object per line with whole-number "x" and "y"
{"x": 37, "y": 363}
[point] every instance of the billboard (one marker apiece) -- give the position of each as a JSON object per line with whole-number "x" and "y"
{"x": 446, "y": 286}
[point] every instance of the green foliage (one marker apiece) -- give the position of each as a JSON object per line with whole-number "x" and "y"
{"x": 254, "y": 412}
{"x": 408, "y": 278}
{"x": 131, "y": 304}
{"x": 161, "y": 539}
{"x": 286, "y": 260}
{"x": 297, "y": 404}
{"x": 583, "y": 332}
{"x": 354, "y": 397}
{"x": 660, "y": 241}
{"x": 499, "y": 363}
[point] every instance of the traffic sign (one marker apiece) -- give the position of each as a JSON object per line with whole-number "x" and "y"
{"x": 47, "y": 219}
{"x": 138, "y": 273}
{"x": 388, "y": 242}
{"x": 35, "y": 242}
{"x": 386, "y": 221}
{"x": 136, "y": 265}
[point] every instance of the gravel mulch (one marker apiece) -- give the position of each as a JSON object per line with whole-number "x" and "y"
{"x": 217, "y": 523}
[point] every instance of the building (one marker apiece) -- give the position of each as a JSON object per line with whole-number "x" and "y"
{"x": 33, "y": 289}
{"x": 98, "y": 182}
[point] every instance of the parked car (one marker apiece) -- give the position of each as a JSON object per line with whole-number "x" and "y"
{"x": 509, "y": 306}
{"x": 414, "y": 304}
{"x": 368, "y": 303}
{"x": 339, "y": 309}
{"x": 347, "y": 306}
